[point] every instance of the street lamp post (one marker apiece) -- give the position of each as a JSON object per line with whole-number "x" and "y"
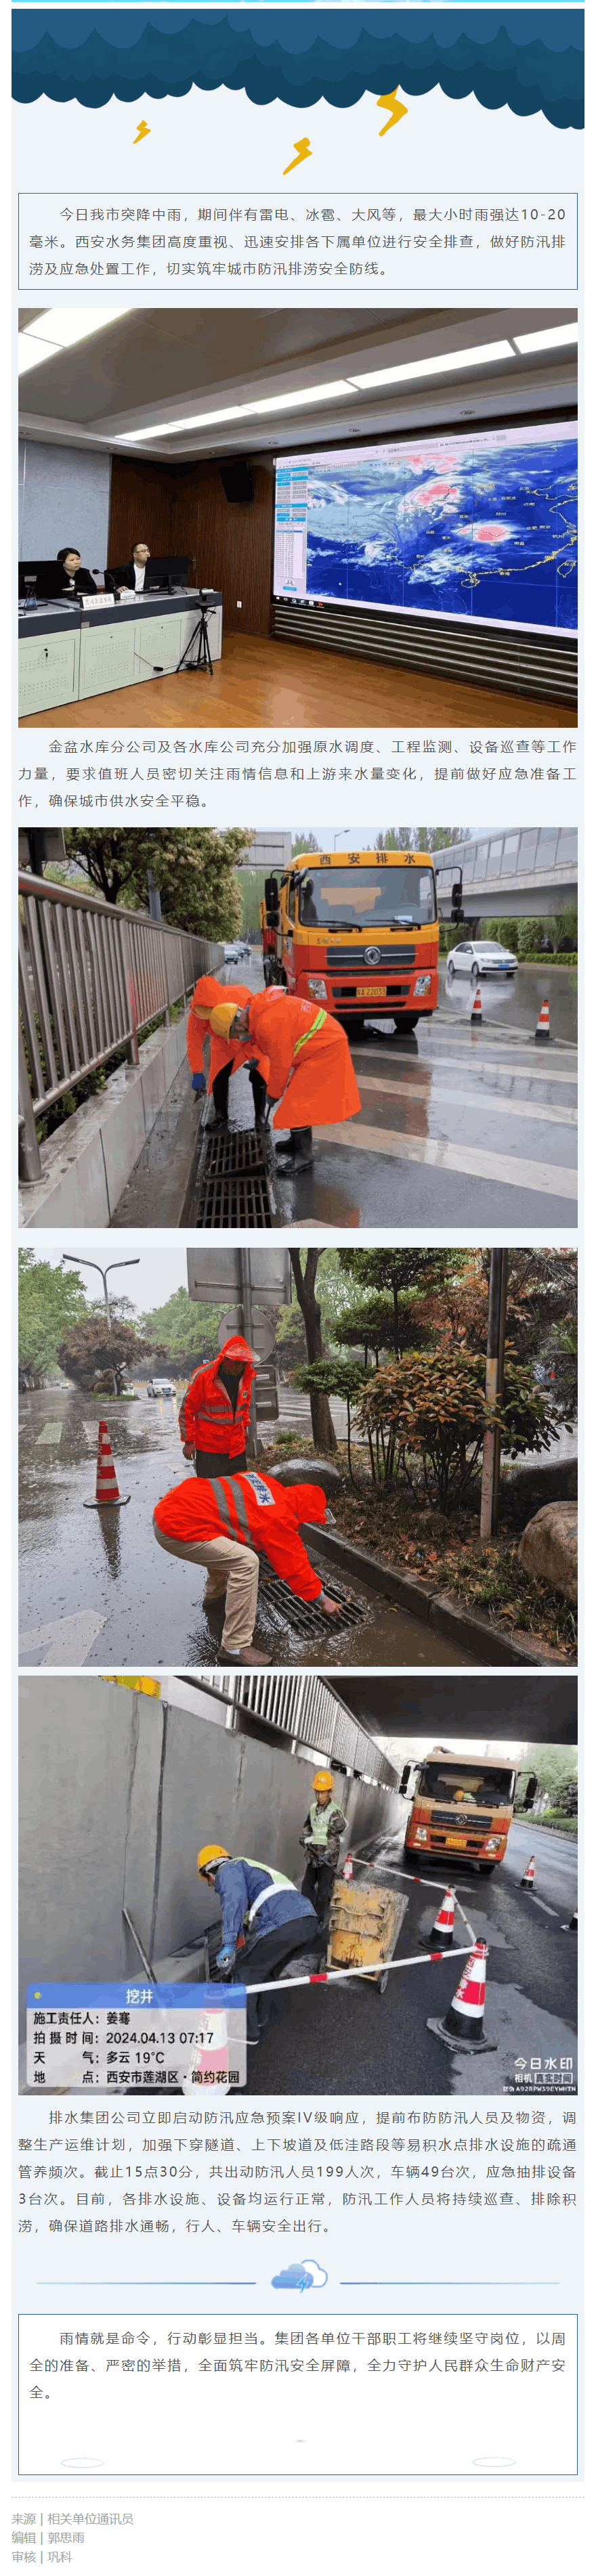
{"x": 81, "y": 1264}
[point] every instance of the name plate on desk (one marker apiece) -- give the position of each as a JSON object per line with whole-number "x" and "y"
{"x": 96, "y": 599}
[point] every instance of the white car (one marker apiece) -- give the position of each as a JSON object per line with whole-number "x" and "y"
{"x": 160, "y": 1386}
{"x": 475, "y": 957}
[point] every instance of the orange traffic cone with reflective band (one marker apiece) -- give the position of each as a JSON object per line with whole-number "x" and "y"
{"x": 107, "y": 1494}
{"x": 443, "y": 1925}
{"x": 542, "y": 1029}
{"x": 463, "y": 2024}
{"x": 476, "y": 1010}
{"x": 529, "y": 1874}
{"x": 572, "y": 1926}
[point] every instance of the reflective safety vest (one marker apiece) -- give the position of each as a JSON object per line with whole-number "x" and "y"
{"x": 321, "y": 1820}
{"x": 310, "y": 1033}
{"x": 206, "y": 1419}
{"x": 276, "y": 1878}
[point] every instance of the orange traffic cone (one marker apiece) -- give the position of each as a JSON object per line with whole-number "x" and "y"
{"x": 572, "y": 1926}
{"x": 443, "y": 1925}
{"x": 348, "y": 1867}
{"x": 542, "y": 1029}
{"x": 529, "y": 1874}
{"x": 476, "y": 1010}
{"x": 463, "y": 2023}
{"x": 107, "y": 1495}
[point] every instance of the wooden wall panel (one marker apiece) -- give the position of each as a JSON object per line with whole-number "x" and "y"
{"x": 182, "y": 509}
{"x": 140, "y": 508}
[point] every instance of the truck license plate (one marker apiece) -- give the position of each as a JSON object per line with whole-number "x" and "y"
{"x": 371, "y": 992}
{"x": 455, "y": 1842}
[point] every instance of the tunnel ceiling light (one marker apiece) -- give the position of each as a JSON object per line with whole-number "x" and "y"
{"x": 53, "y": 331}
{"x": 564, "y": 337}
{"x": 447, "y": 362}
{"x": 239, "y": 411}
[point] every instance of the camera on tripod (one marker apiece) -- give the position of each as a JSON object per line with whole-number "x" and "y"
{"x": 203, "y": 660}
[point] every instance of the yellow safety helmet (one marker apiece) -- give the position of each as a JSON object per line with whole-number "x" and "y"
{"x": 323, "y": 1780}
{"x": 220, "y": 1018}
{"x": 210, "y": 1856}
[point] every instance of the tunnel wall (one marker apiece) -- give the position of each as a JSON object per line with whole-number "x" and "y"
{"x": 117, "y": 1792}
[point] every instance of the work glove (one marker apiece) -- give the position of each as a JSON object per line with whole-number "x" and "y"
{"x": 225, "y": 1961}
{"x": 198, "y": 1082}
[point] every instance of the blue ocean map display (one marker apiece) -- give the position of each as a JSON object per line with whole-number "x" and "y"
{"x": 482, "y": 528}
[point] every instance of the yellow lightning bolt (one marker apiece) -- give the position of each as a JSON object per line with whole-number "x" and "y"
{"x": 143, "y": 130}
{"x": 391, "y": 100}
{"x": 303, "y": 153}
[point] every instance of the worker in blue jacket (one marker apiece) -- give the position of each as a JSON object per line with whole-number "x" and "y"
{"x": 264, "y": 1921}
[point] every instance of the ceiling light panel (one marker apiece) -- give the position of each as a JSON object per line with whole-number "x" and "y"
{"x": 448, "y": 361}
{"x": 564, "y": 337}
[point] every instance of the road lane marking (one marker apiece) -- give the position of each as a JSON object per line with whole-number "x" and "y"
{"x": 50, "y": 1436}
{"x": 551, "y": 1178}
{"x": 493, "y": 1101}
{"x": 545, "y": 1909}
{"x": 69, "y": 1641}
{"x": 536, "y": 1068}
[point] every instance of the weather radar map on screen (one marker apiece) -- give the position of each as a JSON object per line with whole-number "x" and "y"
{"x": 482, "y": 526}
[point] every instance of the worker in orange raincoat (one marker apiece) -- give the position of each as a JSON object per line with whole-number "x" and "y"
{"x": 310, "y": 1073}
{"x": 226, "y": 1523}
{"x": 215, "y": 1411}
{"x": 224, "y": 1058}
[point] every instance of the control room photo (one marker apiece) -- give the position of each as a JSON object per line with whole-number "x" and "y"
{"x": 245, "y": 518}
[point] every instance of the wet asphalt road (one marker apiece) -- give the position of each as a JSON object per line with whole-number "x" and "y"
{"x": 96, "y": 1589}
{"x": 355, "y": 2039}
{"x": 458, "y": 1125}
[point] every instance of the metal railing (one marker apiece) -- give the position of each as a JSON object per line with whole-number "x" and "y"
{"x": 300, "y": 1706}
{"x": 91, "y": 978}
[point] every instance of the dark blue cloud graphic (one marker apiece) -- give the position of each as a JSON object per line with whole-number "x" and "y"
{"x": 302, "y": 55}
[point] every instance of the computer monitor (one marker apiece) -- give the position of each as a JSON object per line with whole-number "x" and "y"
{"x": 165, "y": 572}
{"x": 43, "y": 578}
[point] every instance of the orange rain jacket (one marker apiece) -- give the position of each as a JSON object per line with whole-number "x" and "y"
{"x": 256, "y": 1511}
{"x": 206, "y": 1418}
{"x": 300, "y": 1038}
{"x": 223, "y": 1050}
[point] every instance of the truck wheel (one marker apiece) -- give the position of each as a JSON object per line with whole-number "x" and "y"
{"x": 405, "y": 1022}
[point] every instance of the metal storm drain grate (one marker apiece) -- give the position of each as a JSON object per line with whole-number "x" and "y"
{"x": 305, "y": 1616}
{"x": 233, "y": 1180}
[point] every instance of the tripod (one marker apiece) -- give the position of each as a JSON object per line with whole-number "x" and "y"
{"x": 203, "y": 660}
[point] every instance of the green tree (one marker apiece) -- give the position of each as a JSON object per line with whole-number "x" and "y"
{"x": 305, "y": 1282}
{"x": 402, "y": 1275}
{"x": 50, "y": 1301}
{"x": 99, "y": 1359}
{"x": 252, "y": 890}
{"x": 196, "y": 873}
{"x": 542, "y": 1325}
{"x": 431, "y": 1411}
{"x": 184, "y": 1326}
{"x": 303, "y": 844}
{"x": 560, "y": 928}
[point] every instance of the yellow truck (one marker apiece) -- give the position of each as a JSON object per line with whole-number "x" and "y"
{"x": 462, "y": 1806}
{"x": 358, "y": 931}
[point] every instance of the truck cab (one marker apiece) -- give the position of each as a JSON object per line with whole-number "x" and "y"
{"x": 358, "y": 931}
{"x": 462, "y": 1805}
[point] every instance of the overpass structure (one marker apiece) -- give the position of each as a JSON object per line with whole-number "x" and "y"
{"x": 517, "y": 872}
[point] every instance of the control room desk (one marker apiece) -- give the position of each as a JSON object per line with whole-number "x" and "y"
{"x": 68, "y": 653}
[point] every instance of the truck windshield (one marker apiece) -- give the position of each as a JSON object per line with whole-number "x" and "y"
{"x": 489, "y": 1787}
{"x": 371, "y": 899}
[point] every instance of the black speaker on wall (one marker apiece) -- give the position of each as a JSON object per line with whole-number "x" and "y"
{"x": 237, "y": 481}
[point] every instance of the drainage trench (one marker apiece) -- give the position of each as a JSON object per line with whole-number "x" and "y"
{"x": 233, "y": 1184}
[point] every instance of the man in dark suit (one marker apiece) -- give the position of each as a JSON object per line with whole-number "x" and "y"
{"x": 131, "y": 576}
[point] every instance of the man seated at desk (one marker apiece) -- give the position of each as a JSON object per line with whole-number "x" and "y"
{"x": 131, "y": 576}
{"x": 72, "y": 576}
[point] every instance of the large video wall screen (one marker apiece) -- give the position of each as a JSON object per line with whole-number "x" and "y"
{"x": 481, "y": 526}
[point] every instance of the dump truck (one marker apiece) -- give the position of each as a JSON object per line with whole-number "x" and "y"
{"x": 358, "y": 931}
{"x": 462, "y": 1803}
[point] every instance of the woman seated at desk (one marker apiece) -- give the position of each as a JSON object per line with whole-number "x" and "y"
{"x": 72, "y": 576}
{"x": 130, "y": 576}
